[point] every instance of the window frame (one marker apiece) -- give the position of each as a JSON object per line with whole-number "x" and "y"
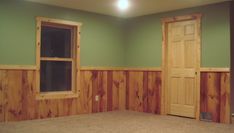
{"x": 75, "y": 57}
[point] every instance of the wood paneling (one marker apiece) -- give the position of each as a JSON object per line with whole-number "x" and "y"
{"x": 118, "y": 87}
{"x": 117, "y": 90}
{"x": 99, "y": 90}
{"x": 225, "y": 109}
{"x": 85, "y": 99}
{"x": 136, "y": 91}
{"x": 2, "y": 95}
{"x": 18, "y": 95}
{"x": 154, "y": 92}
{"x": 14, "y": 94}
{"x": 29, "y": 105}
{"x": 215, "y": 96}
{"x": 144, "y": 91}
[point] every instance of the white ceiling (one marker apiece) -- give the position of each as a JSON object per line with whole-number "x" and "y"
{"x": 137, "y": 7}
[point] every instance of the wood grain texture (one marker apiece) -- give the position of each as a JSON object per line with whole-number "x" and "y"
{"x": 144, "y": 91}
{"x": 136, "y": 91}
{"x": 2, "y": 95}
{"x": 99, "y": 90}
{"x": 48, "y": 108}
{"x": 154, "y": 92}
{"x": 215, "y": 96}
{"x": 117, "y": 90}
{"x": 225, "y": 110}
{"x": 29, "y": 105}
{"x": 19, "y": 98}
{"x": 14, "y": 94}
{"x": 85, "y": 98}
{"x": 127, "y": 91}
{"x": 119, "y": 82}
{"x": 110, "y": 95}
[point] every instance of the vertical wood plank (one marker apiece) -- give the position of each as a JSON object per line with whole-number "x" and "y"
{"x": 214, "y": 95}
{"x": 95, "y": 104}
{"x": 145, "y": 91}
{"x": 136, "y": 91}
{"x": 67, "y": 107}
{"x": 211, "y": 102}
{"x": 119, "y": 90}
{"x": 48, "y": 108}
{"x": 225, "y": 110}
{"x": 85, "y": 99}
{"x": 154, "y": 92}
{"x": 115, "y": 91}
{"x": 102, "y": 91}
{"x": 29, "y": 106}
{"x": 127, "y": 90}
{"x": 73, "y": 106}
{"x": 158, "y": 81}
{"x": 120, "y": 83}
{"x": 14, "y": 93}
{"x": 110, "y": 95}
{"x": 42, "y": 109}
{"x": 204, "y": 96}
{"x": 99, "y": 89}
{"x": 2, "y": 95}
{"x": 62, "y": 107}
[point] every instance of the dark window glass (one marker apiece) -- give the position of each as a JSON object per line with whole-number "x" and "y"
{"x": 55, "y": 76}
{"x": 55, "y": 42}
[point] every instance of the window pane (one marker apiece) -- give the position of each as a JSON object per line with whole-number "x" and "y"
{"x": 55, "y": 42}
{"x": 55, "y": 76}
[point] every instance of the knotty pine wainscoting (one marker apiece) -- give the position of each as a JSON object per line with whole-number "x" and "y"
{"x": 215, "y": 94}
{"x": 106, "y": 89}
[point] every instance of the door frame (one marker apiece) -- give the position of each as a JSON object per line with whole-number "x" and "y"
{"x": 164, "y": 93}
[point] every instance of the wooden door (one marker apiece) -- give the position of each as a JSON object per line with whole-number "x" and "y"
{"x": 183, "y": 64}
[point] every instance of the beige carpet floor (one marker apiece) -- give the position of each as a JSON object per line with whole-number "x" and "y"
{"x": 116, "y": 122}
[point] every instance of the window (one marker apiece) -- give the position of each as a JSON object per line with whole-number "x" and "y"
{"x": 57, "y": 58}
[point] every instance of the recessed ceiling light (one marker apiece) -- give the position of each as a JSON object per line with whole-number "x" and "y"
{"x": 123, "y": 4}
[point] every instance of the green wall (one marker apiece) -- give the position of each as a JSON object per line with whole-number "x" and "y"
{"x": 110, "y": 41}
{"x": 101, "y": 37}
{"x": 232, "y": 55}
{"x": 144, "y": 40}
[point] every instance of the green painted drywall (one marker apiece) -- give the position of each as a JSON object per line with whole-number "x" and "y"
{"x": 109, "y": 41}
{"x": 232, "y": 55}
{"x": 144, "y": 37}
{"x": 101, "y": 37}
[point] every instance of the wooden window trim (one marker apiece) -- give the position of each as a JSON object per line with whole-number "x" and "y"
{"x": 75, "y": 89}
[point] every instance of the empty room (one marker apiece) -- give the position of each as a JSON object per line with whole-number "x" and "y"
{"x": 116, "y": 66}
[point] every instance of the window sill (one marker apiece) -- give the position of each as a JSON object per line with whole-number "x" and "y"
{"x": 56, "y": 95}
